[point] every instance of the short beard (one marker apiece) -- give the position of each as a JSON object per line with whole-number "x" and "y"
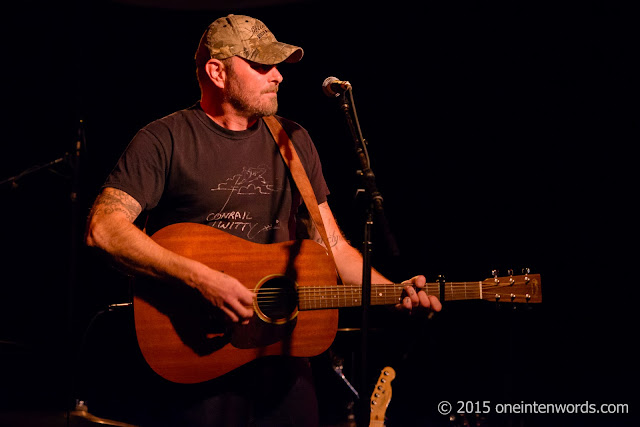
{"x": 238, "y": 98}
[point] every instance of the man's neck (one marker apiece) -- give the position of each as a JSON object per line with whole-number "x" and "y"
{"x": 226, "y": 117}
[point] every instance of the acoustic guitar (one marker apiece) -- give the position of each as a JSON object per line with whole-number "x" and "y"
{"x": 185, "y": 339}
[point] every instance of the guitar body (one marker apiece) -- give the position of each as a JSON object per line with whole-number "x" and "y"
{"x": 185, "y": 339}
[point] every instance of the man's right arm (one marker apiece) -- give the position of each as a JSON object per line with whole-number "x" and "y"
{"x": 110, "y": 228}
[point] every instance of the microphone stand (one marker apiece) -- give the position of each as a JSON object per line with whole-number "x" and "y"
{"x": 73, "y": 160}
{"x": 374, "y": 205}
{"x": 31, "y": 170}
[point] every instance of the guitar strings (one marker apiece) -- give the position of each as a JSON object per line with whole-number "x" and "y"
{"x": 357, "y": 289}
{"x": 391, "y": 285}
{"x": 309, "y": 294}
{"x": 340, "y": 293}
{"x": 383, "y": 288}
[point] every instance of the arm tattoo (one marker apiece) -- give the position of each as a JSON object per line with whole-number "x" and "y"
{"x": 333, "y": 235}
{"x": 113, "y": 200}
{"x": 333, "y": 238}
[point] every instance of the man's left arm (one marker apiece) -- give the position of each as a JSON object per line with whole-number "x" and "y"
{"x": 349, "y": 265}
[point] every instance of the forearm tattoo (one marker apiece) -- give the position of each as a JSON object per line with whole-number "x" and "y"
{"x": 333, "y": 235}
{"x": 112, "y": 200}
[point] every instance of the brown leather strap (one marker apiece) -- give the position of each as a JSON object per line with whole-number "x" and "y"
{"x": 299, "y": 176}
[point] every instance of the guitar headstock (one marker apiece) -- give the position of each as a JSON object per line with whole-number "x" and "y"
{"x": 381, "y": 396}
{"x": 521, "y": 288}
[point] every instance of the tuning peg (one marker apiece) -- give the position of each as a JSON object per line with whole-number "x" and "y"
{"x": 526, "y": 272}
{"x": 495, "y": 273}
{"x": 511, "y": 280}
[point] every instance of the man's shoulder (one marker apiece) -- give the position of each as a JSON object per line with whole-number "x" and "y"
{"x": 295, "y": 130}
{"x": 288, "y": 123}
{"x": 176, "y": 118}
{"x": 172, "y": 124}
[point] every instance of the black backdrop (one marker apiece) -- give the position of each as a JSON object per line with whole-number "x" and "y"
{"x": 500, "y": 134}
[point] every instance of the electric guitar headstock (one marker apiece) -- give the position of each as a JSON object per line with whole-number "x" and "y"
{"x": 381, "y": 396}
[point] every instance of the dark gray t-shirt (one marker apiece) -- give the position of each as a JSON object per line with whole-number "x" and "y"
{"x": 186, "y": 168}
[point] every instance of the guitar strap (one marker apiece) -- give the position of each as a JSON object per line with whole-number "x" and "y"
{"x": 300, "y": 177}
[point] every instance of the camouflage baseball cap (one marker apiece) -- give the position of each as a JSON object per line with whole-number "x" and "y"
{"x": 246, "y": 37}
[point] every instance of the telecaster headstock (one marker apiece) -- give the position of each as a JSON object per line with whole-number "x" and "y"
{"x": 381, "y": 396}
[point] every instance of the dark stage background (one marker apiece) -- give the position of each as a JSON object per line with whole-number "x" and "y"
{"x": 500, "y": 134}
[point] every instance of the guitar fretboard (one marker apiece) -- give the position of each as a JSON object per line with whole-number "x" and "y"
{"x": 323, "y": 297}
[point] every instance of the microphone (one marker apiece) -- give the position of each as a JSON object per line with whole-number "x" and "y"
{"x": 333, "y": 87}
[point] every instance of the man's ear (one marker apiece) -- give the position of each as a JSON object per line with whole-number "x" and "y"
{"x": 215, "y": 71}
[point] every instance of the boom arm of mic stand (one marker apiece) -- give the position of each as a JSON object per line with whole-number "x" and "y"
{"x": 368, "y": 177}
{"x": 14, "y": 179}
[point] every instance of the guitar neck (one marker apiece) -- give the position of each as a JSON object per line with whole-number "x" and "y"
{"x": 311, "y": 298}
{"x": 519, "y": 289}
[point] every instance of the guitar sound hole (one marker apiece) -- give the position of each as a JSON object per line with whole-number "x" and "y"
{"x": 278, "y": 299}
